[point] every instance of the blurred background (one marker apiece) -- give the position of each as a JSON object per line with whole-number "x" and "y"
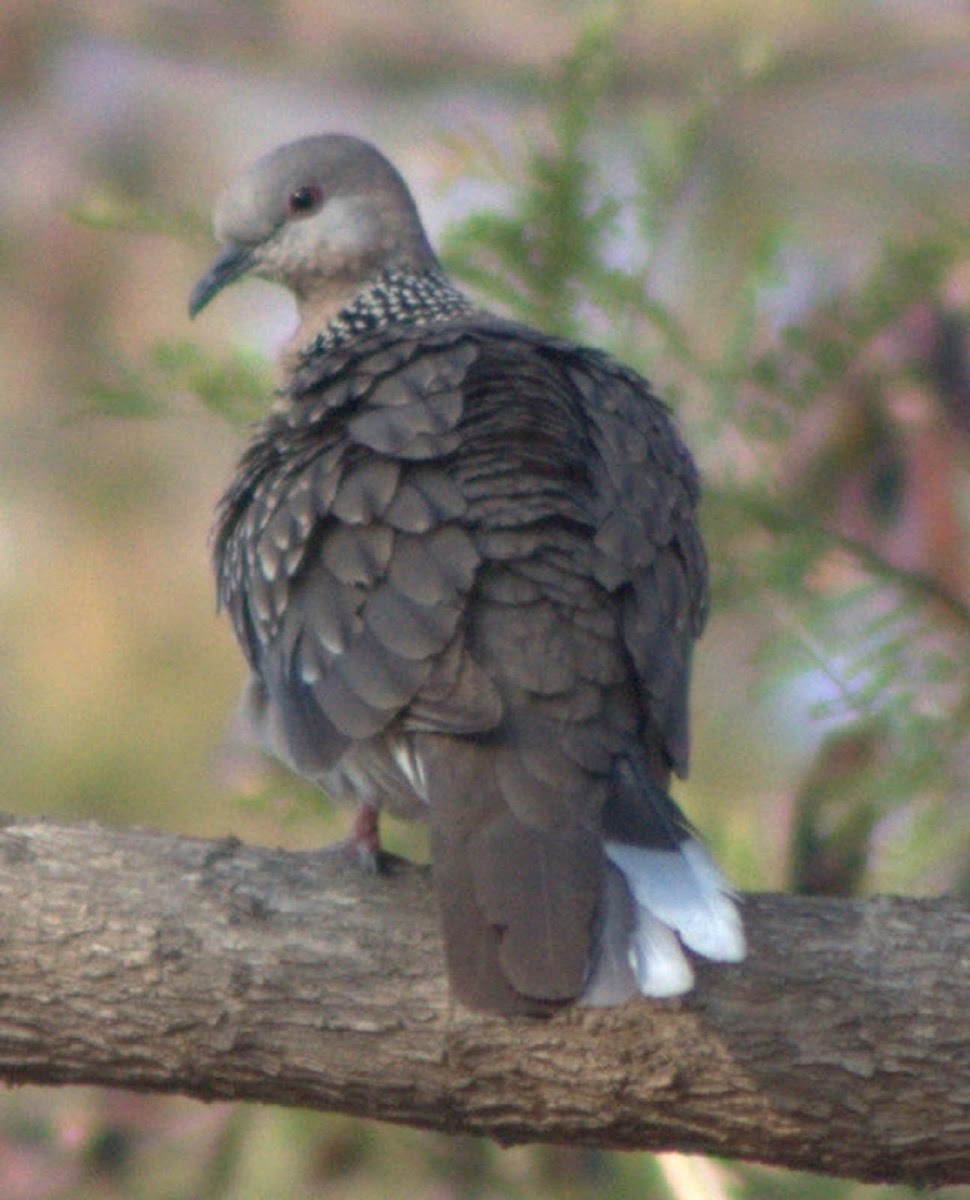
{"x": 764, "y": 206}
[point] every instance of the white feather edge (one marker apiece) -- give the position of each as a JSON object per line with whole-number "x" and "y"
{"x": 409, "y": 763}
{"x": 682, "y": 891}
{"x": 658, "y": 962}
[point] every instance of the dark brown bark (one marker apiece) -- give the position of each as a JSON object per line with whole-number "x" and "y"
{"x": 144, "y": 960}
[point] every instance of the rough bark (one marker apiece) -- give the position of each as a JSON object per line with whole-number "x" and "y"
{"x": 144, "y": 960}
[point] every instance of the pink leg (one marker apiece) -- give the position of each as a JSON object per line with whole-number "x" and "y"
{"x": 365, "y": 837}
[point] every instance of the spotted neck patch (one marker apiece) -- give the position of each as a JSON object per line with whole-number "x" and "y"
{"x": 394, "y": 298}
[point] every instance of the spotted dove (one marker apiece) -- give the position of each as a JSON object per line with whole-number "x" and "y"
{"x": 462, "y": 559}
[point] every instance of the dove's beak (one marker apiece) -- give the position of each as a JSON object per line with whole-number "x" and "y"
{"x": 234, "y": 261}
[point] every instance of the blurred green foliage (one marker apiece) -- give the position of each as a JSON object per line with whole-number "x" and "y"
{"x": 234, "y": 389}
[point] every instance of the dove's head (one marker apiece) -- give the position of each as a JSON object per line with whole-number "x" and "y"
{"x": 321, "y": 216}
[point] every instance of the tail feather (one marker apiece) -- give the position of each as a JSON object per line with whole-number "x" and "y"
{"x": 684, "y": 890}
{"x": 678, "y": 894}
{"x": 612, "y": 977}
{"x": 660, "y": 965}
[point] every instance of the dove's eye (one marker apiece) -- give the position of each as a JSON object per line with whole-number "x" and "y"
{"x": 305, "y": 200}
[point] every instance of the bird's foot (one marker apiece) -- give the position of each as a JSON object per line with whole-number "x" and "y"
{"x": 365, "y": 840}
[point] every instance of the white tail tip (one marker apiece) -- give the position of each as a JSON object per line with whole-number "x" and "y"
{"x": 677, "y": 891}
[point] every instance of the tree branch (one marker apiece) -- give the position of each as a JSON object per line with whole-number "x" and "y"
{"x": 144, "y": 960}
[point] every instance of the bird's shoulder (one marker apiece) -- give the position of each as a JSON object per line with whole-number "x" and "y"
{"x": 476, "y": 362}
